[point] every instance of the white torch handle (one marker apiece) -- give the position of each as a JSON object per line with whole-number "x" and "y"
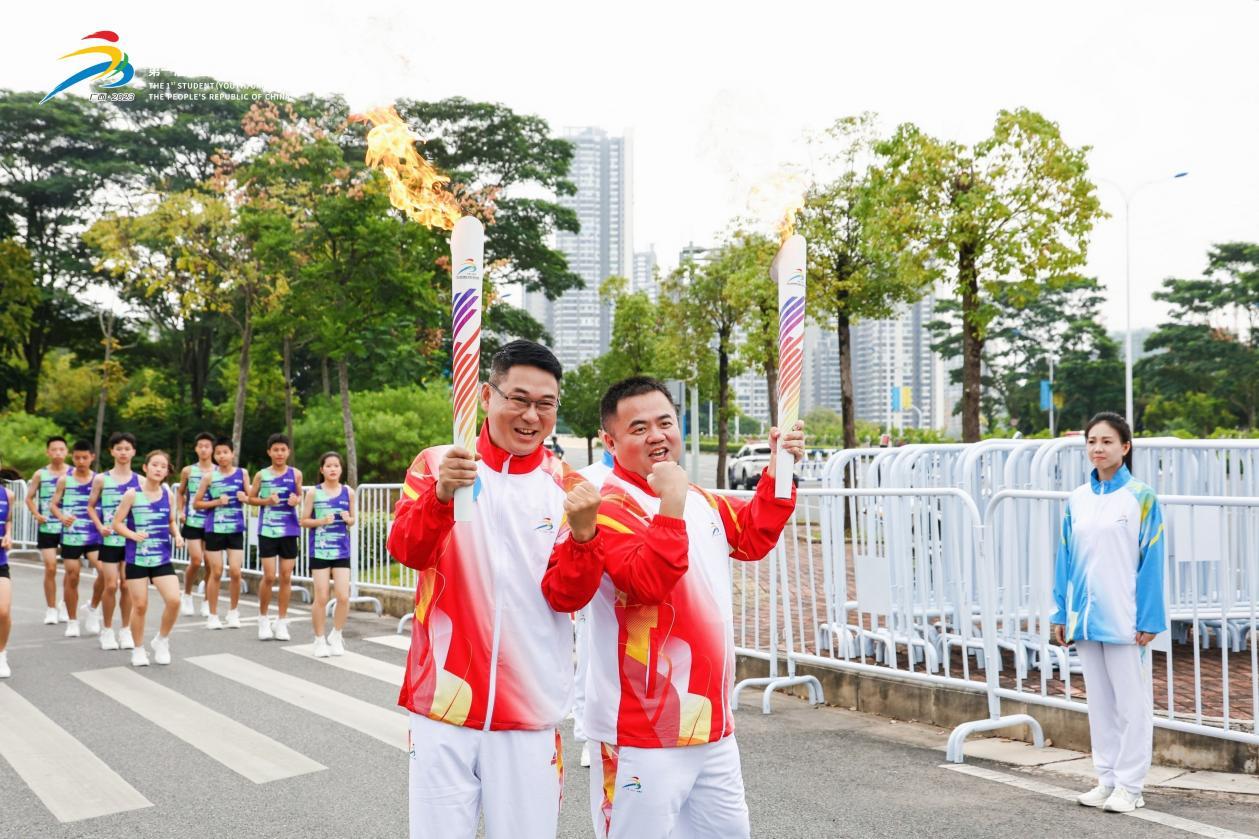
{"x": 467, "y": 264}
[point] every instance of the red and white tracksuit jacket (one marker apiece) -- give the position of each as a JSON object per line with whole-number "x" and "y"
{"x": 487, "y": 651}
{"x": 661, "y": 621}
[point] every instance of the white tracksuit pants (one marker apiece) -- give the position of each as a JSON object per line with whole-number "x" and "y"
{"x": 515, "y": 777}
{"x": 1121, "y": 712}
{"x": 685, "y": 792}
{"x": 582, "y": 641}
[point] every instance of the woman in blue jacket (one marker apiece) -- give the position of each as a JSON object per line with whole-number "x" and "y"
{"x": 1108, "y": 587}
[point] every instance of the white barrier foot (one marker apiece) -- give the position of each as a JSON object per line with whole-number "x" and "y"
{"x": 404, "y": 621}
{"x": 957, "y": 740}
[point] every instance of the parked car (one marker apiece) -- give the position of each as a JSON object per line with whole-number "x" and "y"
{"x": 745, "y": 469}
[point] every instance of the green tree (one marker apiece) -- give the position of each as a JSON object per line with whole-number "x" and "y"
{"x": 583, "y": 389}
{"x": 19, "y": 296}
{"x": 635, "y": 331}
{"x": 754, "y": 294}
{"x": 1014, "y": 208}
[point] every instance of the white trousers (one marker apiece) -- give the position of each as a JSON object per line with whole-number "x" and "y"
{"x": 1121, "y": 712}
{"x": 582, "y": 640}
{"x": 515, "y": 777}
{"x": 686, "y": 792}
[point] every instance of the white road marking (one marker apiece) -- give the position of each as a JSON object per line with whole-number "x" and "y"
{"x": 354, "y": 662}
{"x": 398, "y": 642}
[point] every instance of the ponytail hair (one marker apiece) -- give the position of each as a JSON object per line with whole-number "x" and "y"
{"x": 1121, "y": 428}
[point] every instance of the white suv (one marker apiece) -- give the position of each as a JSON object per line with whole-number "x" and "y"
{"x": 745, "y": 470}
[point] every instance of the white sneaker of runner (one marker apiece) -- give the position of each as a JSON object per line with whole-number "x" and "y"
{"x": 1122, "y": 801}
{"x": 125, "y": 641}
{"x": 264, "y": 628}
{"x": 185, "y": 605}
{"x": 1095, "y": 797}
{"x": 5, "y": 672}
{"x": 213, "y": 622}
{"x": 205, "y": 608}
{"x": 50, "y": 616}
{"x": 321, "y": 647}
{"x": 62, "y": 615}
{"x": 282, "y": 630}
{"x": 335, "y": 645}
{"x": 109, "y": 641}
{"x": 72, "y": 629}
{"x": 139, "y": 658}
{"x": 161, "y": 649}
{"x": 233, "y": 619}
{"x": 92, "y": 621}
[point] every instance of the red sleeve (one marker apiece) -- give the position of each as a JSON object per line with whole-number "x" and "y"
{"x": 422, "y": 522}
{"x": 573, "y": 572}
{"x": 643, "y": 557}
{"x": 753, "y": 527}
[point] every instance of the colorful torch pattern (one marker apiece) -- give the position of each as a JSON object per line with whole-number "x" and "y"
{"x": 787, "y": 272}
{"x": 467, "y": 262}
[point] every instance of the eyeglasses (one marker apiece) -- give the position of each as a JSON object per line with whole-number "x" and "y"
{"x": 519, "y": 404}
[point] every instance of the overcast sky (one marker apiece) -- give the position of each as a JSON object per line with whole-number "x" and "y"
{"x": 719, "y": 96}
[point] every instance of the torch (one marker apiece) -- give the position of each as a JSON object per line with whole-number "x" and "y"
{"x": 787, "y": 272}
{"x": 467, "y": 259}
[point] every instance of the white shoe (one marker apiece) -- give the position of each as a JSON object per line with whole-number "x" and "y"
{"x": 321, "y": 647}
{"x": 585, "y": 753}
{"x": 282, "y": 630}
{"x": 335, "y": 645}
{"x": 233, "y": 619}
{"x": 109, "y": 641}
{"x": 92, "y": 621}
{"x": 264, "y": 628}
{"x": 62, "y": 615}
{"x": 139, "y": 658}
{"x": 1095, "y": 797}
{"x": 125, "y": 641}
{"x": 161, "y": 649}
{"x": 205, "y": 608}
{"x": 185, "y": 605}
{"x": 5, "y": 672}
{"x": 50, "y": 616}
{"x": 1122, "y": 801}
{"x": 72, "y": 629}
{"x": 213, "y": 622}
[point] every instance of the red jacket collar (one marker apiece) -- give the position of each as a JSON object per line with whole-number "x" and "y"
{"x": 494, "y": 457}
{"x": 633, "y": 478}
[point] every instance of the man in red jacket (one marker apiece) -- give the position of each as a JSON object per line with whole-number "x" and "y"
{"x": 661, "y": 655}
{"x": 489, "y": 675}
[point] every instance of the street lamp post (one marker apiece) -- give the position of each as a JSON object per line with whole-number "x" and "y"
{"x": 1128, "y": 195}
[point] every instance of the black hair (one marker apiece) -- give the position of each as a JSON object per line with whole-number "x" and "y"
{"x": 279, "y": 438}
{"x": 121, "y": 437}
{"x": 224, "y": 441}
{"x": 524, "y": 352}
{"x": 204, "y": 435}
{"x": 1121, "y": 427}
{"x": 56, "y": 438}
{"x": 625, "y": 389}
{"x": 81, "y": 446}
{"x": 323, "y": 458}
{"x": 154, "y": 454}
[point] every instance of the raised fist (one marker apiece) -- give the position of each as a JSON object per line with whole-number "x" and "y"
{"x": 581, "y": 507}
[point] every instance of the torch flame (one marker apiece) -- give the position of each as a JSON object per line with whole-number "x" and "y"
{"x": 415, "y": 187}
{"x": 787, "y": 226}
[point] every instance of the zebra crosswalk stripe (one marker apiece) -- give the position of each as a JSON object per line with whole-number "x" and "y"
{"x": 398, "y": 642}
{"x": 364, "y": 665}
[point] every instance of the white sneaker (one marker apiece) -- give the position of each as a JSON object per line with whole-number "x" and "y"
{"x": 321, "y": 647}
{"x": 282, "y": 630}
{"x": 125, "y": 641}
{"x": 233, "y": 619}
{"x": 109, "y": 641}
{"x": 335, "y": 645}
{"x": 1122, "y": 801}
{"x": 585, "y": 753}
{"x": 139, "y": 658}
{"x": 62, "y": 615}
{"x": 72, "y": 629}
{"x": 5, "y": 672}
{"x": 1095, "y": 797}
{"x": 161, "y": 649}
{"x": 264, "y": 628}
{"x": 92, "y": 621}
{"x": 185, "y": 605}
{"x": 50, "y": 616}
{"x": 205, "y": 608}
{"x": 213, "y": 622}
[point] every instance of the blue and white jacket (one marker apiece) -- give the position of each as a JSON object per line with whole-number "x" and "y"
{"x": 1108, "y": 576}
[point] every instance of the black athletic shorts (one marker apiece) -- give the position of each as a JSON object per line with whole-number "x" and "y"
{"x": 285, "y": 547}
{"x": 113, "y": 553}
{"x": 47, "y": 540}
{"x": 4, "y": 571}
{"x": 224, "y": 541}
{"x": 140, "y": 572}
{"x": 316, "y": 564}
{"x": 78, "y": 551}
{"x": 190, "y": 532}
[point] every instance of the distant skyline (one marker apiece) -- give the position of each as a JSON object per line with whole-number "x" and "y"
{"x": 719, "y": 98}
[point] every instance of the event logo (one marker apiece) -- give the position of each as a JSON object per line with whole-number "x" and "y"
{"x": 546, "y": 525}
{"x": 118, "y": 64}
{"x": 796, "y": 278}
{"x": 468, "y": 269}
{"x": 634, "y": 784}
